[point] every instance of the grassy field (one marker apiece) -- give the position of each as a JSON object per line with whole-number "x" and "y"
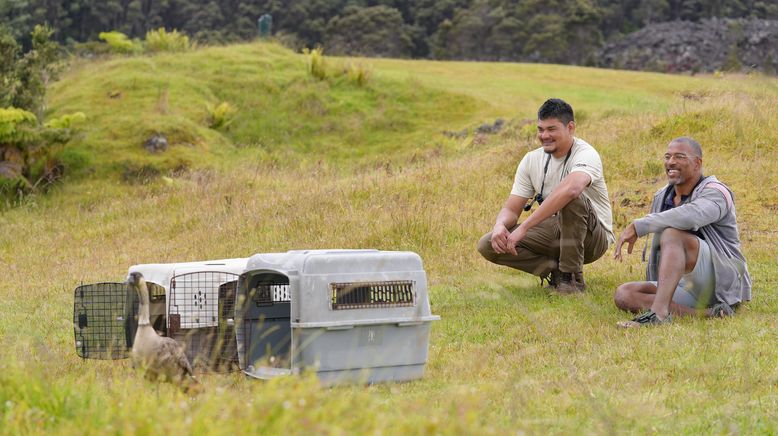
{"x": 310, "y": 164}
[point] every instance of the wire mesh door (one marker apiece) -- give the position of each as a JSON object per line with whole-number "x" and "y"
{"x": 104, "y": 320}
{"x": 201, "y": 316}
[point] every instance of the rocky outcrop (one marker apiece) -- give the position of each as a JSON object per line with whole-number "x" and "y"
{"x": 704, "y": 46}
{"x": 156, "y": 143}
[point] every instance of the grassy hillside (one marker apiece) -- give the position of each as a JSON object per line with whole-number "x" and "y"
{"x": 310, "y": 164}
{"x": 281, "y": 113}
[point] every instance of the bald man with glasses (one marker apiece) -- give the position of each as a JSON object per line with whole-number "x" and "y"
{"x": 695, "y": 265}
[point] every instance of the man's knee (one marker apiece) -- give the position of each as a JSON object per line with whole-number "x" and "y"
{"x": 680, "y": 243}
{"x": 627, "y": 295}
{"x": 484, "y": 247}
{"x": 623, "y": 296}
{"x": 671, "y": 236}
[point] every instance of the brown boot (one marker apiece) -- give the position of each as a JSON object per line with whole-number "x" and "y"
{"x": 580, "y": 282}
{"x": 570, "y": 283}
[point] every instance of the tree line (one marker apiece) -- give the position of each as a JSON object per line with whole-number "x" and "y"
{"x": 564, "y": 31}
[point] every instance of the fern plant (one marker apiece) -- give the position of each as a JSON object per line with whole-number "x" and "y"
{"x": 17, "y": 126}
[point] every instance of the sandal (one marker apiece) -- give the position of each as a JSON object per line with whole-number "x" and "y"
{"x": 721, "y": 310}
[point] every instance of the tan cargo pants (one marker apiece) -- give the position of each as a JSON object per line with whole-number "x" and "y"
{"x": 568, "y": 240}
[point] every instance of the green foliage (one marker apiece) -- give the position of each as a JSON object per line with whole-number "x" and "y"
{"x": 317, "y": 65}
{"x": 371, "y": 31}
{"x": 221, "y": 115}
{"x": 74, "y": 160}
{"x": 25, "y": 147}
{"x": 358, "y": 73}
{"x": 25, "y": 75}
{"x": 27, "y": 151}
{"x": 161, "y": 40}
{"x": 120, "y": 43}
{"x": 460, "y": 29}
{"x": 17, "y": 126}
{"x": 67, "y": 121}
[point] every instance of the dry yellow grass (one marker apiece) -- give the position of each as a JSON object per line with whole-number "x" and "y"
{"x": 506, "y": 356}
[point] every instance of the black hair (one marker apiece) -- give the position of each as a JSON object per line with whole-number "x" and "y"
{"x": 556, "y": 108}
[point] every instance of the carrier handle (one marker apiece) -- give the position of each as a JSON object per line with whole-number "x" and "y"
{"x": 409, "y": 323}
{"x": 340, "y": 327}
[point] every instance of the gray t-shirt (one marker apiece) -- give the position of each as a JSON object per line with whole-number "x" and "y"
{"x": 584, "y": 158}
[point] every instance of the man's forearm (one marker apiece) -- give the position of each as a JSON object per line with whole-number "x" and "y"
{"x": 553, "y": 204}
{"x": 571, "y": 187}
{"x": 507, "y": 217}
{"x": 706, "y": 209}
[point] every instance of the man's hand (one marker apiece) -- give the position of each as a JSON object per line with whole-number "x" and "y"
{"x": 513, "y": 240}
{"x": 500, "y": 238}
{"x": 629, "y": 235}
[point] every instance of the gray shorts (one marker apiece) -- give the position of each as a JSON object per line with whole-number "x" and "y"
{"x": 697, "y": 288}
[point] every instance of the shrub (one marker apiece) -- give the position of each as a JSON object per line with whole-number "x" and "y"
{"x": 17, "y": 126}
{"x": 120, "y": 43}
{"x": 25, "y": 75}
{"x": 316, "y": 64}
{"x": 221, "y": 115}
{"x": 358, "y": 73}
{"x": 73, "y": 160}
{"x": 28, "y": 158}
{"x": 67, "y": 121}
{"x": 161, "y": 40}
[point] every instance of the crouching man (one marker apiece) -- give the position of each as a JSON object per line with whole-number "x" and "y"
{"x": 572, "y": 224}
{"x": 695, "y": 264}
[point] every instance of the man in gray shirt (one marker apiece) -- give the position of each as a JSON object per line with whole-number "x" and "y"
{"x": 572, "y": 224}
{"x": 695, "y": 265}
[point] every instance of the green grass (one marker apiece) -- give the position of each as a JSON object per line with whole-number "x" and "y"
{"x": 283, "y": 114}
{"x": 308, "y": 164}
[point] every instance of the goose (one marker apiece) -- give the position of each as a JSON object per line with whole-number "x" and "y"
{"x": 159, "y": 357}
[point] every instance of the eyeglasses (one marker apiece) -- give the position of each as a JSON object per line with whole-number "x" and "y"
{"x": 676, "y": 156}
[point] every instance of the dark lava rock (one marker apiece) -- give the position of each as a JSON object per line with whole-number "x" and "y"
{"x": 705, "y": 46}
{"x": 156, "y": 144}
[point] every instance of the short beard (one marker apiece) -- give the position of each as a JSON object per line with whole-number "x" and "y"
{"x": 675, "y": 181}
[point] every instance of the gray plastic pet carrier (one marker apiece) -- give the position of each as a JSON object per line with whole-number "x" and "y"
{"x": 349, "y": 315}
{"x": 192, "y": 302}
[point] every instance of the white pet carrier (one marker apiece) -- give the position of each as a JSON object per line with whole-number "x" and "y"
{"x": 192, "y": 302}
{"x": 349, "y": 315}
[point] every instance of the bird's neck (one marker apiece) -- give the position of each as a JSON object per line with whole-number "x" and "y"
{"x": 143, "y": 306}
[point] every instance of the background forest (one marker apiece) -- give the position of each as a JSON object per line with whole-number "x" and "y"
{"x": 559, "y": 31}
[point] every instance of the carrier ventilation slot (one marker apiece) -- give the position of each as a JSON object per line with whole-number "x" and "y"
{"x": 368, "y": 295}
{"x": 267, "y": 294}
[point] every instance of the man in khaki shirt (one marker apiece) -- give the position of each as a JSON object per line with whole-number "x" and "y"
{"x": 572, "y": 225}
